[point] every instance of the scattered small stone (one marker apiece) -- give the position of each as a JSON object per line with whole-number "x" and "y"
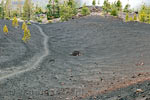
{"x": 133, "y": 76}
{"x": 143, "y": 96}
{"x": 139, "y": 74}
{"x": 101, "y": 79}
{"x": 55, "y": 77}
{"x": 121, "y": 99}
{"x": 95, "y": 97}
{"x": 139, "y": 90}
{"x": 148, "y": 84}
{"x": 62, "y": 83}
{"x": 30, "y": 97}
{"x": 52, "y": 94}
{"x": 41, "y": 93}
{"x": 140, "y": 64}
{"x": 52, "y": 60}
{"x": 147, "y": 99}
{"x": 71, "y": 75}
{"x": 67, "y": 99}
{"x": 46, "y": 92}
{"x": 70, "y": 79}
{"x": 76, "y": 53}
{"x": 119, "y": 96}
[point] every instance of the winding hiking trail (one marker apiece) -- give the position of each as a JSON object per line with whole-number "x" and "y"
{"x": 37, "y": 62}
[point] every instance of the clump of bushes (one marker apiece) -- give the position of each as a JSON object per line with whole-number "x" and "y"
{"x": 106, "y": 6}
{"x": 85, "y": 10}
{"x": 53, "y": 9}
{"x": 7, "y": 18}
{"x": 114, "y": 9}
{"x": 68, "y": 10}
{"x": 144, "y": 14}
{"x": 114, "y": 12}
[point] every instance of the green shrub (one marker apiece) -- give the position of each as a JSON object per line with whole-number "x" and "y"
{"x": 73, "y": 6}
{"x": 7, "y": 18}
{"x": 144, "y": 13}
{"x": 130, "y": 19}
{"x": 127, "y": 17}
{"x": 65, "y": 12}
{"x": 50, "y": 21}
{"x": 68, "y": 10}
{"x": 114, "y": 12}
{"x": 39, "y": 20}
{"x": 114, "y": 9}
{"x": 29, "y": 23}
{"x": 93, "y": 2}
{"x": 106, "y": 6}
{"x": 53, "y": 9}
{"x": 142, "y": 16}
{"x": 127, "y": 8}
{"x": 85, "y": 10}
{"x": 135, "y": 17}
{"x": 148, "y": 18}
{"x": 119, "y": 5}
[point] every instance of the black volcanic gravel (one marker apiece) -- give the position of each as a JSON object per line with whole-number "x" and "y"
{"x": 110, "y": 51}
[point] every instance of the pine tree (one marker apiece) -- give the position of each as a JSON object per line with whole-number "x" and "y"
{"x": 49, "y": 10}
{"x": 24, "y": 26}
{"x": 106, "y": 6}
{"x": 56, "y": 12}
{"x": 15, "y": 22}
{"x": 85, "y": 10}
{"x": 127, "y": 17}
{"x": 127, "y": 8}
{"x": 148, "y": 18}
{"x": 98, "y": 2}
{"x": 73, "y": 6}
{"x": 130, "y": 19}
{"x": 8, "y": 8}
{"x": 93, "y": 3}
{"x": 27, "y": 10}
{"x": 5, "y": 30}
{"x": 2, "y": 12}
{"x": 68, "y": 10}
{"x": 135, "y": 17}
{"x": 38, "y": 10}
{"x": 27, "y": 35}
{"x": 119, "y": 5}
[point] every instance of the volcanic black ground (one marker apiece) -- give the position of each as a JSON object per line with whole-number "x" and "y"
{"x": 112, "y": 52}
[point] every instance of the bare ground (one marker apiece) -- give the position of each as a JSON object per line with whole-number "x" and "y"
{"x": 114, "y": 54}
